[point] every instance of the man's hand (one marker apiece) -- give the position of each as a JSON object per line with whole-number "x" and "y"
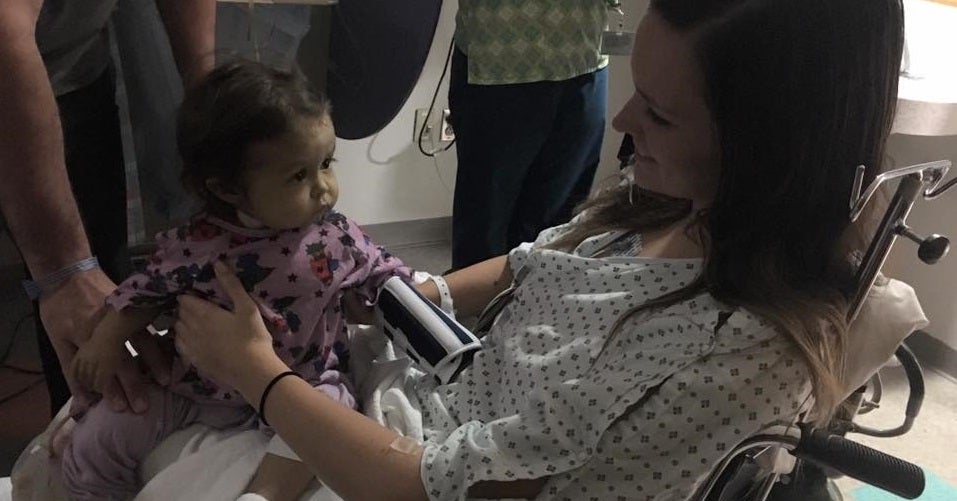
{"x": 70, "y": 314}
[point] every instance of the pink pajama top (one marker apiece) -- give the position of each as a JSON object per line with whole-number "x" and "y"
{"x": 297, "y": 277}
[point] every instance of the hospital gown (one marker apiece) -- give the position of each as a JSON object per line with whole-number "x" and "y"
{"x": 647, "y": 418}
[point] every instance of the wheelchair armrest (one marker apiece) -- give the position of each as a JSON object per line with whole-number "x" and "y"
{"x": 860, "y": 462}
{"x": 915, "y": 397}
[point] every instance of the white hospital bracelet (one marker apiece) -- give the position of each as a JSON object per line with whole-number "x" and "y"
{"x": 445, "y": 294}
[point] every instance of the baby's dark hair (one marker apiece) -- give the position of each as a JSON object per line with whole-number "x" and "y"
{"x": 238, "y": 104}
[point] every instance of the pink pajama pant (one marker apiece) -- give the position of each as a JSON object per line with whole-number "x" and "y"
{"x": 103, "y": 460}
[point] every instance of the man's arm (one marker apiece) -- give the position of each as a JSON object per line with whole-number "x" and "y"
{"x": 35, "y": 193}
{"x": 191, "y": 26}
{"x": 37, "y": 200}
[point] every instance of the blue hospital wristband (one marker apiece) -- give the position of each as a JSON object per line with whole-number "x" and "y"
{"x": 52, "y": 281}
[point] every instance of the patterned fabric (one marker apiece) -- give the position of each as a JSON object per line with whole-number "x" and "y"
{"x": 642, "y": 415}
{"x": 521, "y": 41}
{"x": 297, "y": 277}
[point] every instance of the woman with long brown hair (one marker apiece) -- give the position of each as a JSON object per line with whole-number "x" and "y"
{"x": 671, "y": 318}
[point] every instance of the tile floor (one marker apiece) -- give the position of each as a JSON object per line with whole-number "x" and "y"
{"x": 930, "y": 443}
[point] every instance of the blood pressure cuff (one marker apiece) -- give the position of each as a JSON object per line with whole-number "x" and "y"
{"x": 437, "y": 343}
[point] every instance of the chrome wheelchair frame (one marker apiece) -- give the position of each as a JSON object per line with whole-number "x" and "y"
{"x": 754, "y": 467}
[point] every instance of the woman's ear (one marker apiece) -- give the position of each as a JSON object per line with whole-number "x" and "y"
{"x": 224, "y": 192}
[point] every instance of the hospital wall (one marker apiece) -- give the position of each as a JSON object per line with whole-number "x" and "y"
{"x": 936, "y": 285}
{"x": 385, "y": 179}
{"x": 930, "y": 62}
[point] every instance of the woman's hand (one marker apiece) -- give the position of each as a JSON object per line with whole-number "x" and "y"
{"x": 223, "y": 344}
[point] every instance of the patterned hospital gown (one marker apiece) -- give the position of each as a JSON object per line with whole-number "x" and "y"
{"x": 297, "y": 277}
{"x": 673, "y": 392}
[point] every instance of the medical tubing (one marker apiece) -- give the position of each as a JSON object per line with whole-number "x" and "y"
{"x": 860, "y": 462}
{"x": 262, "y": 398}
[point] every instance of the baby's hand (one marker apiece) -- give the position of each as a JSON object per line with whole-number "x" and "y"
{"x": 96, "y": 363}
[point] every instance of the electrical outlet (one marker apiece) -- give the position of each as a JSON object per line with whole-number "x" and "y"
{"x": 421, "y": 117}
{"x": 446, "y": 133}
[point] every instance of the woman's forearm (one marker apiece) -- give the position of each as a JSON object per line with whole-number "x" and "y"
{"x": 474, "y": 287}
{"x": 340, "y": 445}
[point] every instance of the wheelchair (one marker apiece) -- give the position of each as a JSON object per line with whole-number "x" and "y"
{"x": 789, "y": 461}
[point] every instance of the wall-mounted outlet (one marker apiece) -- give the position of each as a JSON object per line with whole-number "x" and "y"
{"x": 446, "y": 133}
{"x": 421, "y": 117}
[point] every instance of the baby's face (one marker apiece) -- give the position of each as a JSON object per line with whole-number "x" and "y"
{"x": 289, "y": 180}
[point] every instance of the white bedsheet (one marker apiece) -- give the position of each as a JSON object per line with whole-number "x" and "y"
{"x": 203, "y": 464}
{"x": 5, "y": 489}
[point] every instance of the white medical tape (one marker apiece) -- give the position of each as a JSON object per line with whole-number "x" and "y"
{"x": 405, "y": 445}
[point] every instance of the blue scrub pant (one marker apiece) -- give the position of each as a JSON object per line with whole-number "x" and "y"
{"x": 527, "y": 154}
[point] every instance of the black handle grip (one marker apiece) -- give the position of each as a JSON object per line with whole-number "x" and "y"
{"x": 861, "y": 462}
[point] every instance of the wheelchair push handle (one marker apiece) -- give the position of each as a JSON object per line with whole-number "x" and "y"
{"x": 860, "y": 462}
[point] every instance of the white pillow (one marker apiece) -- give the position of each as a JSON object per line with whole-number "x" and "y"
{"x": 890, "y": 313}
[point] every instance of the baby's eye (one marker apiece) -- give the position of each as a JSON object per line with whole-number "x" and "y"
{"x": 300, "y": 176}
{"x": 327, "y": 163}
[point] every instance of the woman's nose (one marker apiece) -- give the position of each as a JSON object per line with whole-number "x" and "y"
{"x": 626, "y": 121}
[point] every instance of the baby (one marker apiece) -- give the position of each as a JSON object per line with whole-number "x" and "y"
{"x": 257, "y": 145}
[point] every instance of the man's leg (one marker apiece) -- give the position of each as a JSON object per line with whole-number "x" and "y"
{"x": 94, "y": 160}
{"x": 562, "y": 174}
{"x": 499, "y": 130}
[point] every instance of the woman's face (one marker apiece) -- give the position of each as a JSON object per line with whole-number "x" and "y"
{"x": 675, "y": 139}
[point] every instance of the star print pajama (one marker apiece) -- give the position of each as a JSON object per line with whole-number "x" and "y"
{"x": 297, "y": 278}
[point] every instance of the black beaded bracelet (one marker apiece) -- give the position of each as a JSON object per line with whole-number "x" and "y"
{"x": 262, "y": 399}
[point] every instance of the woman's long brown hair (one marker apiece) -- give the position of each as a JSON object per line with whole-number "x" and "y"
{"x": 801, "y": 93}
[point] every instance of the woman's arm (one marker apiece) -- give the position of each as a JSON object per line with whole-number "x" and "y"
{"x": 473, "y": 287}
{"x": 340, "y": 445}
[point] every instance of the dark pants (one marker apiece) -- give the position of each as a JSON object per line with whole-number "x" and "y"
{"x": 527, "y": 154}
{"x": 94, "y": 161}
